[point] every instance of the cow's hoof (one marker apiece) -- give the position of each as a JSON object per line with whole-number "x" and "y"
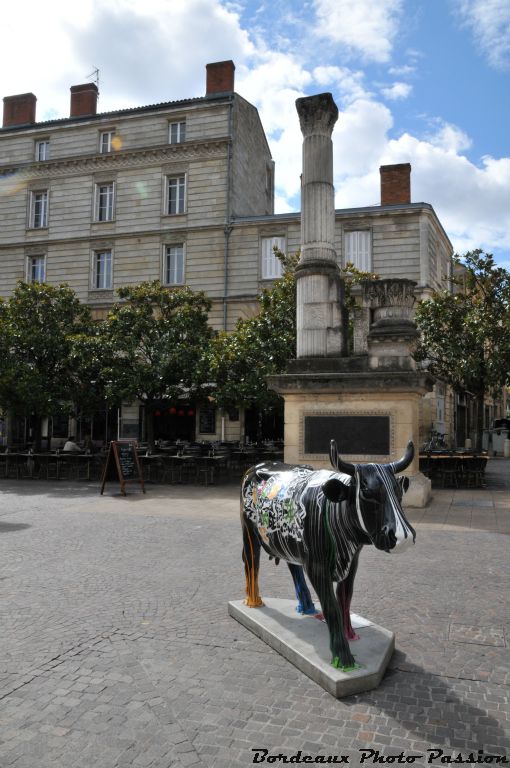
{"x": 306, "y": 611}
{"x": 257, "y": 603}
{"x": 337, "y": 664}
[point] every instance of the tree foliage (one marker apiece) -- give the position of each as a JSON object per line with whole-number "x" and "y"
{"x": 158, "y": 345}
{"x": 262, "y": 345}
{"x": 258, "y": 346}
{"x": 465, "y": 335}
{"x": 38, "y": 326}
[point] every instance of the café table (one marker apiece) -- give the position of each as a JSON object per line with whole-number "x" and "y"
{"x": 186, "y": 464}
{"x": 457, "y": 468}
{"x": 207, "y": 468}
{"x": 151, "y": 466}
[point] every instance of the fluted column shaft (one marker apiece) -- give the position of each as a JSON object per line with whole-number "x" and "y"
{"x": 319, "y": 310}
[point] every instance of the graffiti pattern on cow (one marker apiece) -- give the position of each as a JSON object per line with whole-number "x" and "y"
{"x": 319, "y": 521}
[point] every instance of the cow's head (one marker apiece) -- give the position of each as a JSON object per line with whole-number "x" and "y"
{"x": 378, "y": 499}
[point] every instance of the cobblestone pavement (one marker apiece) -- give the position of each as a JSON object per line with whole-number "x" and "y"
{"x": 116, "y": 647}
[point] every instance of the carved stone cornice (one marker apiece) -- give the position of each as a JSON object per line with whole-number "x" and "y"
{"x": 392, "y": 292}
{"x": 136, "y": 158}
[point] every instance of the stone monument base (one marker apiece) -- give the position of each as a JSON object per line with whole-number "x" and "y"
{"x": 304, "y": 641}
{"x": 419, "y": 492}
{"x": 379, "y": 408}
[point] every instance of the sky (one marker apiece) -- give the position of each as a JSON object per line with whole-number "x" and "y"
{"x": 418, "y": 81}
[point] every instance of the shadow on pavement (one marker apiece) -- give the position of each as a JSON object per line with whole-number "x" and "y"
{"x": 10, "y": 527}
{"x": 426, "y": 706}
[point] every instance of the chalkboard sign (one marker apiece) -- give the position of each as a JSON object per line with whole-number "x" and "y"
{"x": 122, "y": 464}
{"x": 356, "y": 435}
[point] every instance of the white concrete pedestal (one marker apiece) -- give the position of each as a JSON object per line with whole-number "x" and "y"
{"x": 304, "y": 641}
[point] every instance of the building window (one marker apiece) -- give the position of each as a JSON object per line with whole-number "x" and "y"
{"x": 105, "y": 193}
{"x": 358, "y": 249}
{"x": 174, "y": 265}
{"x": 176, "y": 194}
{"x": 106, "y": 141}
{"x": 39, "y": 209}
{"x": 177, "y": 132}
{"x": 102, "y": 270}
{"x": 271, "y": 265}
{"x": 42, "y": 150}
{"x": 36, "y": 269}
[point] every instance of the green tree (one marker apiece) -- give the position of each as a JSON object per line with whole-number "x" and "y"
{"x": 262, "y": 345}
{"x": 93, "y": 370}
{"x": 38, "y": 325}
{"x": 158, "y": 346}
{"x": 465, "y": 335}
{"x": 258, "y": 346}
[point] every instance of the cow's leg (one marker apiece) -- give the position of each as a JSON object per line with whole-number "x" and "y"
{"x": 251, "y": 560}
{"x": 305, "y": 602}
{"x": 321, "y": 580}
{"x": 344, "y": 592}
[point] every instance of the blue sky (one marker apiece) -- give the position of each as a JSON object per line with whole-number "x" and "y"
{"x": 419, "y": 81}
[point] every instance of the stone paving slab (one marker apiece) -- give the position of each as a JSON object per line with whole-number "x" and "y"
{"x": 117, "y": 649}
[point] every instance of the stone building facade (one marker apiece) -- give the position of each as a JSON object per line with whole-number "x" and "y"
{"x": 183, "y": 192}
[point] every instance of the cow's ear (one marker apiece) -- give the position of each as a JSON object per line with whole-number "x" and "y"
{"x": 404, "y": 483}
{"x": 334, "y": 490}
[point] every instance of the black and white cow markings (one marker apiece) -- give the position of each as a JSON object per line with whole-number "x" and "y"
{"x": 319, "y": 521}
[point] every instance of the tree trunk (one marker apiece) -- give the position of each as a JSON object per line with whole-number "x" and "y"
{"x": 479, "y": 404}
{"x": 37, "y": 430}
{"x": 149, "y": 418}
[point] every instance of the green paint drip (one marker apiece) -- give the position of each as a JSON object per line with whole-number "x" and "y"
{"x": 338, "y": 665}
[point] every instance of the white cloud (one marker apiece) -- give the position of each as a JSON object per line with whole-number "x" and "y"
{"x": 450, "y": 137}
{"x": 471, "y": 201}
{"x": 489, "y": 21}
{"x": 397, "y": 91}
{"x": 348, "y": 84}
{"x": 360, "y": 137}
{"x": 146, "y": 52}
{"x": 157, "y": 51}
{"x": 401, "y": 71}
{"x": 364, "y": 26}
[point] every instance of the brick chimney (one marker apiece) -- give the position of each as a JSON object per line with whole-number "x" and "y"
{"x": 19, "y": 110}
{"x": 395, "y": 184}
{"x": 220, "y": 77}
{"x": 84, "y": 99}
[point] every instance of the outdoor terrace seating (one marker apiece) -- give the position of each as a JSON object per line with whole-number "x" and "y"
{"x": 458, "y": 469}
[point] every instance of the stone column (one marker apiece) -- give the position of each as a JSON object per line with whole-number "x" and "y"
{"x": 319, "y": 286}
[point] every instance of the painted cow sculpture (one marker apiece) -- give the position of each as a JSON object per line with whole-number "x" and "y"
{"x": 318, "y": 521}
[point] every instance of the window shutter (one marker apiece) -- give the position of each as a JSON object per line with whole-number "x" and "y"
{"x": 271, "y": 266}
{"x": 358, "y": 249}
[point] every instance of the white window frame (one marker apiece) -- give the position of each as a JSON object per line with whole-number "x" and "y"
{"x": 177, "y": 132}
{"x": 104, "y": 211}
{"x": 174, "y": 276}
{"x": 105, "y": 141}
{"x": 39, "y": 208}
{"x": 32, "y": 266}
{"x": 271, "y": 267}
{"x": 358, "y": 249}
{"x": 102, "y": 279}
{"x": 179, "y": 181}
{"x": 42, "y": 150}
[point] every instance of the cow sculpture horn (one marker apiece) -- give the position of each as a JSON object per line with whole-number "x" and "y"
{"x": 403, "y": 463}
{"x": 337, "y": 463}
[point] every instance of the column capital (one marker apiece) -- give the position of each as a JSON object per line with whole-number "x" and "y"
{"x": 317, "y": 114}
